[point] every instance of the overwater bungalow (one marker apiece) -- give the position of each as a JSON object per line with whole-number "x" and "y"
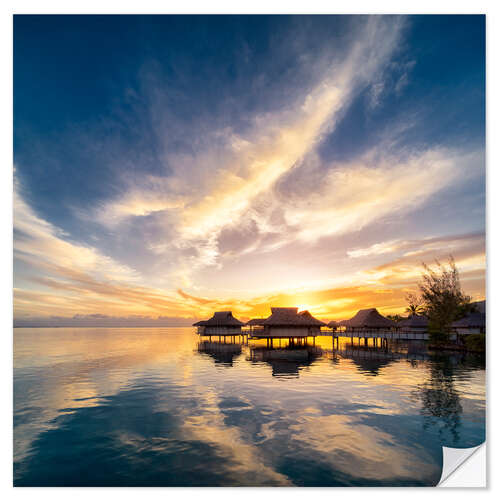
{"x": 414, "y": 324}
{"x": 473, "y": 323}
{"x": 367, "y": 320}
{"x": 255, "y": 322}
{"x": 222, "y": 323}
{"x": 333, "y": 325}
{"x": 287, "y": 322}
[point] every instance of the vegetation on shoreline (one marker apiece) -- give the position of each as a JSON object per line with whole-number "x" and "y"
{"x": 443, "y": 301}
{"x": 475, "y": 342}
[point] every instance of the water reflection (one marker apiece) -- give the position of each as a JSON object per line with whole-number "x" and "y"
{"x": 221, "y": 353}
{"x": 153, "y": 407}
{"x": 441, "y": 406}
{"x": 285, "y": 361}
{"x": 369, "y": 360}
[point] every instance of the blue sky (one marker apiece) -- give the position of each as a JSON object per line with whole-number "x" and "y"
{"x": 207, "y": 161}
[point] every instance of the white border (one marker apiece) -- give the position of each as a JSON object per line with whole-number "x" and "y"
{"x": 250, "y": 7}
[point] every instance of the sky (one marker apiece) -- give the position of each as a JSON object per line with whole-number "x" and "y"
{"x": 169, "y": 166}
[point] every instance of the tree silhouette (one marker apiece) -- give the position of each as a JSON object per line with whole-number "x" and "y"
{"x": 415, "y": 306}
{"x": 442, "y": 298}
{"x": 395, "y": 317}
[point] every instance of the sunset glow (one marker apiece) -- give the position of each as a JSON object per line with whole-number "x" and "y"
{"x": 318, "y": 174}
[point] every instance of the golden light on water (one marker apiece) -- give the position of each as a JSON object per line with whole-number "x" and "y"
{"x": 330, "y": 403}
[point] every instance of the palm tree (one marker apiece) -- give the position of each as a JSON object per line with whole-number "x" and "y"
{"x": 415, "y": 307}
{"x": 395, "y": 317}
{"x": 414, "y": 310}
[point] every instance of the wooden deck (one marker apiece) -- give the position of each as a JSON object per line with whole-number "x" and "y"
{"x": 360, "y": 337}
{"x": 378, "y": 334}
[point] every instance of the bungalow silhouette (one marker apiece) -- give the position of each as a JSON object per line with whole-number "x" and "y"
{"x": 256, "y": 322}
{"x": 221, "y": 323}
{"x": 473, "y": 323}
{"x": 286, "y": 322}
{"x": 333, "y": 325}
{"x": 367, "y": 320}
{"x": 414, "y": 324}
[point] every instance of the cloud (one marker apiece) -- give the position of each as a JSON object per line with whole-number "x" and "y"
{"x": 382, "y": 285}
{"x": 265, "y": 187}
{"x": 70, "y": 277}
{"x": 375, "y": 249}
{"x": 102, "y": 320}
{"x": 350, "y": 196}
{"x": 39, "y": 243}
{"x": 376, "y": 94}
{"x": 87, "y": 293}
{"x": 209, "y": 189}
{"x": 404, "y": 78}
{"x": 405, "y": 270}
{"x": 423, "y": 247}
{"x": 199, "y": 300}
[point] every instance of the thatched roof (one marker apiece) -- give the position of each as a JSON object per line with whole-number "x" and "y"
{"x": 333, "y": 324}
{"x": 256, "y": 322}
{"x": 473, "y": 320}
{"x": 289, "y": 316}
{"x": 414, "y": 321}
{"x": 368, "y": 318}
{"x": 221, "y": 318}
{"x": 311, "y": 319}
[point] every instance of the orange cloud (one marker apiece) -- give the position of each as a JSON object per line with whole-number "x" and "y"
{"x": 68, "y": 291}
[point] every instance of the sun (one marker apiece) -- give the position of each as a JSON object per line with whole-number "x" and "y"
{"x": 304, "y": 307}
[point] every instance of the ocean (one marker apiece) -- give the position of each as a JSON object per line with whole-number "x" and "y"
{"x": 157, "y": 407}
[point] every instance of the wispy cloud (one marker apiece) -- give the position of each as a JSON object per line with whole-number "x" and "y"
{"x": 423, "y": 247}
{"x": 267, "y": 188}
{"x": 216, "y": 187}
{"x": 347, "y": 197}
{"x": 375, "y": 249}
{"x": 39, "y": 243}
{"x": 58, "y": 276}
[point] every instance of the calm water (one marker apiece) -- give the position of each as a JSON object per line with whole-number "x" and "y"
{"x": 154, "y": 407}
